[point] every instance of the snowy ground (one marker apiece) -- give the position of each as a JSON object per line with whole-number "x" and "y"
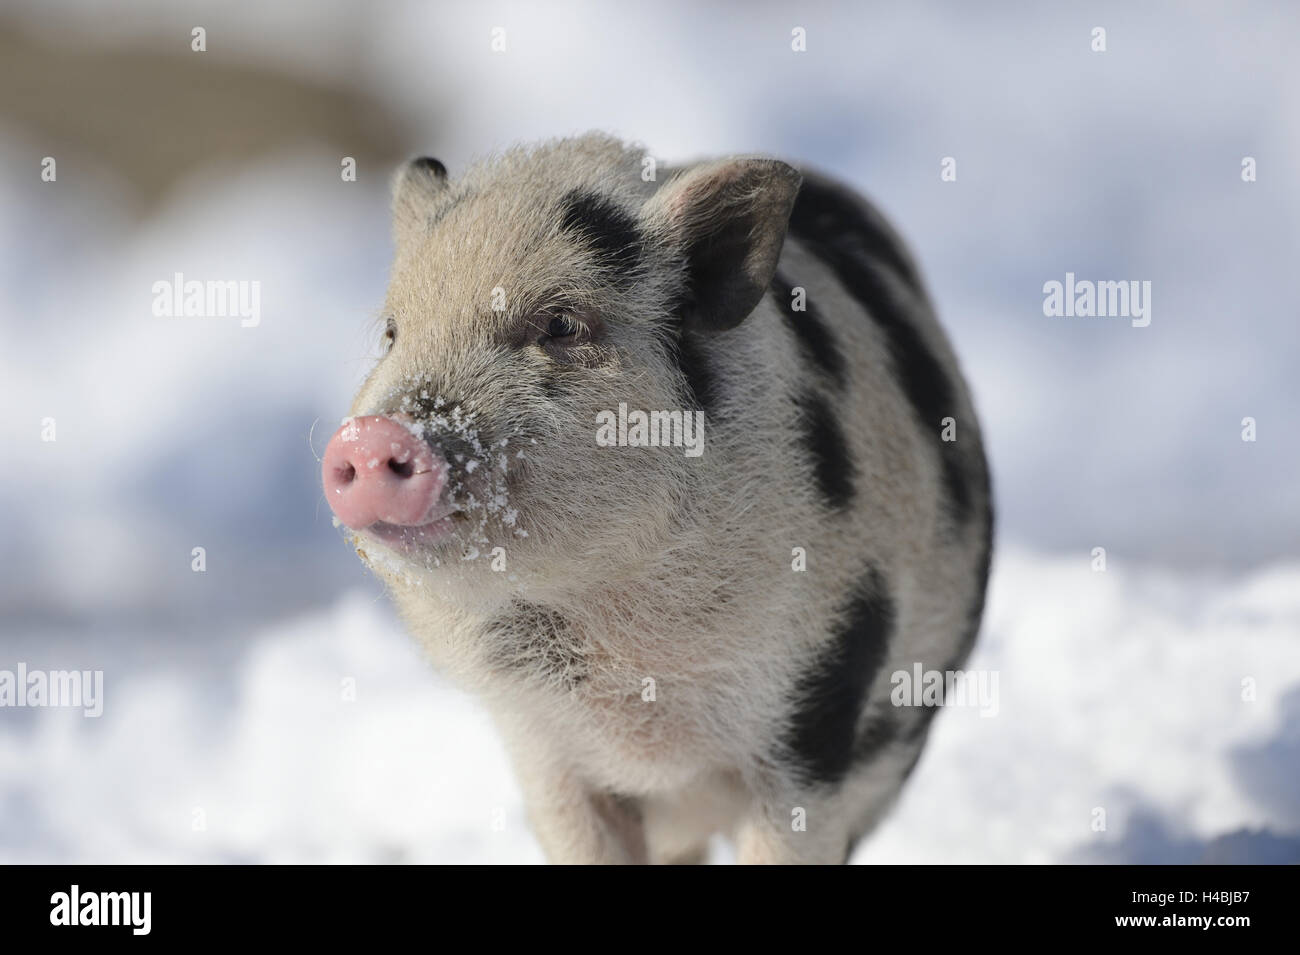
{"x": 1120, "y": 691}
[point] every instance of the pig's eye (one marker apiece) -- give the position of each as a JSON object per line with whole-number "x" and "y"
{"x": 561, "y": 326}
{"x": 572, "y": 338}
{"x": 568, "y": 337}
{"x": 390, "y": 335}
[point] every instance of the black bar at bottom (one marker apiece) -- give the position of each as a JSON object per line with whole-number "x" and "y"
{"x": 335, "y": 905}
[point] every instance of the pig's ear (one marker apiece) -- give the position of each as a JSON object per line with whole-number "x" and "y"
{"x": 727, "y": 219}
{"x": 419, "y": 191}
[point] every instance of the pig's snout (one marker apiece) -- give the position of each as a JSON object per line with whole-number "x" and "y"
{"x": 375, "y": 470}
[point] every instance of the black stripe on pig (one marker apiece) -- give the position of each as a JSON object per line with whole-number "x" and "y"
{"x": 829, "y": 696}
{"x": 814, "y": 336}
{"x": 823, "y": 441}
{"x": 862, "y": 252}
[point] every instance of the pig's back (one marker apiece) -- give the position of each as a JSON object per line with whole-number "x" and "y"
{"x": 885, "y": 488}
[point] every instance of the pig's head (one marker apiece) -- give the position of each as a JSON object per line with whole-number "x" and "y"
{"x": 545, "y": 287}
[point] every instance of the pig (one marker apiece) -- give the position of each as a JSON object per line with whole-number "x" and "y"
{"x": 679, "y": 636}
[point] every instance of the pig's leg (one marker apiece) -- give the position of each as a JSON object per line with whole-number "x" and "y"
{"x": 672, "y": 838}
{"x": 679, "y": 824}
{"x": 793, "y": 830}
{"x": 578, "y": 825}
{"x": 794, "y": 823}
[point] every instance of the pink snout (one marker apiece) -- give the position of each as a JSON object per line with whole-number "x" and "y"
{"x": 375, "y": 470}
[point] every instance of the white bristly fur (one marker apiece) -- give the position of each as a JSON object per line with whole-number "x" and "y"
{"x": 648, "y": 564}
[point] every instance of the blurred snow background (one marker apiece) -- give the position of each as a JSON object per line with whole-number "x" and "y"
{"x": 225, "y": 735}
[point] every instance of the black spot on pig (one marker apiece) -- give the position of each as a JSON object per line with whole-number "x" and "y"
{"x": 823, "y": 441}
{"x": 609, "y": 231}
{"x": 829, "y": 696}
{"x": 815, "y": 338}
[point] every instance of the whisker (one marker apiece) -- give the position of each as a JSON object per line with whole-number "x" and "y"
{"x": 310, "y": 433}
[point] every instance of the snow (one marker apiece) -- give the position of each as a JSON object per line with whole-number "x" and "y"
{"x": 1120, "y": 690}
{"x": 335, "y": 742}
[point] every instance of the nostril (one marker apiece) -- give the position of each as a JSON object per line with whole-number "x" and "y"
{"x": 375, "y": 470}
